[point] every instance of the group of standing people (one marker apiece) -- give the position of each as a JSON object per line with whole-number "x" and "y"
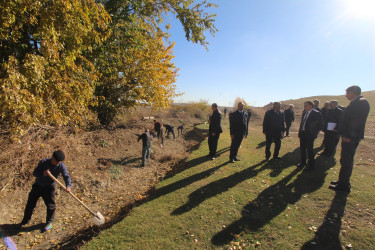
{"x": 334, "y": 120}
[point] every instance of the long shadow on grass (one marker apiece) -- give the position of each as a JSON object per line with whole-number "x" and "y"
{"x": 327, "y": 236}
{"x": 275, "y": 199}
{"x": 214, "y": 188}
{"x": 187, "y": 181}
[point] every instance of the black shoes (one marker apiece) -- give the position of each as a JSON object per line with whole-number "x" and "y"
{"x": 301, "y": 165}
{"x": 276, "y": 158}
{"x": 236, "y": 159}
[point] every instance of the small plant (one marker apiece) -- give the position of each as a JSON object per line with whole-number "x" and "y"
{"x": 116, "y": 171}
{"x": 103, "y": 143}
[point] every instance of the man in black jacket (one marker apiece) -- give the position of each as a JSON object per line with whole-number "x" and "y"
{"x": 330, "y": 126}
{"x": 310, "y": 126}
{"x": 44, "y": 187}
{"x": 352, "y": 129}
{"x": 273, "y": 128}
{"x": 289, "y": 118}
{"x": 238, "y": 130}
{"x": 214, "y": 130}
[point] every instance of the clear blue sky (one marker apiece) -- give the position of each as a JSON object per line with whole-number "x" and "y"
{"x": 272, "y": 50}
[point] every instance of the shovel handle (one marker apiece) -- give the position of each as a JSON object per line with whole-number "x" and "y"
{"x": 75, "y": 197}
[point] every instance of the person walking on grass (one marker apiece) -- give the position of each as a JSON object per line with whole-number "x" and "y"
{"x": 311, "y": 124}
{"x": 289, "y": 118}
{"x": 45, "y": 187}
{"x": 146, "y": 146}
{"x": 214, "y": 130}
{"x": 352, "y": 129}
{"x": 238, "y": 121}
{"x": 273, "y": 128}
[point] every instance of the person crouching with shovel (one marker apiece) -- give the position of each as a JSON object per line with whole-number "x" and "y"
{"x": 44, "y": 187}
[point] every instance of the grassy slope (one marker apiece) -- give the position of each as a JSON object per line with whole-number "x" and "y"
{"x": 215, "y": 204}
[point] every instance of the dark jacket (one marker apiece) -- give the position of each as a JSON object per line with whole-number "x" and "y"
{"x": 353, "y": 120}
{"x": 238, "y": 123}
{"x": 334, "y": 116}
{"x": 46, "y": 181}
{"x": 313, "y": 125}
{"x": 146, "y": 139}
{"x": 215, "y": 123}
{"x": 324, "y": 113}
{"x": 157, "y": 126}
{"x": 318, "y": 109}
{"x": 168, "y": 127}
{"x": 289, "y": 115}
{"x": 273, "y": 123}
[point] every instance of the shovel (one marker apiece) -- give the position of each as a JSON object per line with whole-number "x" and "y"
{"x": 98, "y": 217}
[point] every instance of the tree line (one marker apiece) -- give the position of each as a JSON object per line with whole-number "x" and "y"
{"x": 63, "y": 59}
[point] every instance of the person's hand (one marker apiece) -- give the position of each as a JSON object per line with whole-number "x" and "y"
{"x": 232, "y": 136}
{"x": 45, "y": 173}
{"x": 213, "y": 134}
{"x": 345, "y": 139}
{"x": 68, "y": 189}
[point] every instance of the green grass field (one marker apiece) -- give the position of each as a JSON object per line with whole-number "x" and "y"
{"x": 253, "y": 203}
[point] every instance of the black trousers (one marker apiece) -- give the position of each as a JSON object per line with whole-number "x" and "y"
{"x": 212, "y": 143}
{"x": 332, "y": 139}
{"x": 347, "y": 158}
{"x": 48, "y": 195}
{"x": 171, "y": 131}
{"x": 307, "y": 145}
{"x": 269, "y": 140}
{"x": 288, "y": 125}
{"x": 236, "y": 143}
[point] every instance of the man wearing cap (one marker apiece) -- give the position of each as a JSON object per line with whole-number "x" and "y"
{"x": 352, "y": 129}
{"x": 44, "y": 187}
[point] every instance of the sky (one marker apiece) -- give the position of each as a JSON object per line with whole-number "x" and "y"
{"x": 274, "y": 50}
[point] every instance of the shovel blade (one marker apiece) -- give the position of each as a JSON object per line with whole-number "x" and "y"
{"x": 98, "y": 219}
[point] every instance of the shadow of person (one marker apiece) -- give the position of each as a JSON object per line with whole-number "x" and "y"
{"x": 214, "y": 188}
{"x": 186, "y": 181}
{"x": 261, "y": 144}
{"x": 328, "y": 234}
{"x": 222, "y": 151}
{"x": 273, "y": 201}
{"x": 14, "y": 229}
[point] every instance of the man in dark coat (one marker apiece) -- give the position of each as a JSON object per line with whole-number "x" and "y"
{"x": 289, "y": 118}
{"x": 45, "y": 187}
{"x": 311, "y": 124}
{"x": 352, "y": 129}
{"x": 238, "y": 130}
{"x": 330, "y": 126}
{"x": 214, "y": 130}
{"x": 273, "y": 128}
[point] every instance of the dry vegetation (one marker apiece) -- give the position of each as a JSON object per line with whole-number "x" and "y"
{"x": 104, "y": 165}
